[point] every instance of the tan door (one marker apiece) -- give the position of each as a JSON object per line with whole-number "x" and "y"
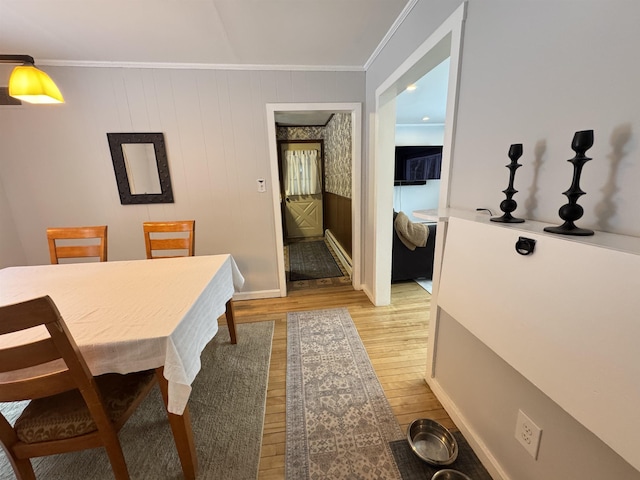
{"x": 303, "y": 216}
{"x": 302, "y": 172}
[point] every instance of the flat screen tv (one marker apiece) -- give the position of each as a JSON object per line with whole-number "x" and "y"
{"x": 414, "y": 165}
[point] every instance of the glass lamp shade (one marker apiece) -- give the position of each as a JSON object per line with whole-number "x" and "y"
{"x": 31, "y": 85}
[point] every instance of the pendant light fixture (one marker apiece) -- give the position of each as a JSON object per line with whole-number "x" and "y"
{"x": 28, "y": 83}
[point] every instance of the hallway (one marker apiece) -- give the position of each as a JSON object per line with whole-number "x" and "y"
{"x": 296, "y": 285}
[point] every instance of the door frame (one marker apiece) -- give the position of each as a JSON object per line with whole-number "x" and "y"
{"x": 382, "y": 145}
{"x": 355, "y": 110}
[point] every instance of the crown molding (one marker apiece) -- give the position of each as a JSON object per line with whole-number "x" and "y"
{"x": 383, "y": 43}
{"x": 200, "y": 66}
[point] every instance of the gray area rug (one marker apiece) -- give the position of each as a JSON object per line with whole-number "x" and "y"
{"x": 227, "y": 407}
{"x": 311, "y": 260}
{"x": 412, "y": 468}
{"x": 339, "y": 423}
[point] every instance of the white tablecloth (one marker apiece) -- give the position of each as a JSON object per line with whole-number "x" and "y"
{"x": 133, "y": 315}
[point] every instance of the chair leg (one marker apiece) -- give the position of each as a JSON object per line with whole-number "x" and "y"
{"x": 182, "y": 432}
{"x": 231, "y": 322}
{"x": 116, "y": 458}
{"x": 22, "y": 468}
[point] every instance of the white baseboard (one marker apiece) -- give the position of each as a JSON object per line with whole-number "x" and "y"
{"x": 479, "y": 447}
{"x": 258, "y": 294}
{"x": 342, "y": 254}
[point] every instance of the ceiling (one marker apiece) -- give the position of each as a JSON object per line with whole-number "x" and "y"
{"x": 429, "y": 99}
{"x": 292, "y": 34}
{"x": 296, "y": 119}
{"x": 313, "y": 33}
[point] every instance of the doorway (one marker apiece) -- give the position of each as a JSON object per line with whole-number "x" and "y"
{"x": 419, "y": 138}
{"x": 445, "y": 42}
{"x": 351, "y": 212}
{"x": 311, "y": 256}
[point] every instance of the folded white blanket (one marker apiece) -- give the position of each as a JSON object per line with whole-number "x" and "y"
{"x": 411, "y": 234}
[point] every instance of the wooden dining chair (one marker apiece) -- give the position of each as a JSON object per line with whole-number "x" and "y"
{"x": 69, "y": 409}
{"x": 159, "y": 237}
{"x": 59, "y": 246}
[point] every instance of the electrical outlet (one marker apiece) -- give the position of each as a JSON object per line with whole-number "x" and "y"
{"x": 262, "y": 185}
{"x": 528, "y": 434}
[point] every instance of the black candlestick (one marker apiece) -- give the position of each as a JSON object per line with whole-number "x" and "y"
{"x": 509, "y": 205}
{"x": 582, "y": 141}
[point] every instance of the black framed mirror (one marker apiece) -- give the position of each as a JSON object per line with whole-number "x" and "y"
{"x": 141, "y": 167}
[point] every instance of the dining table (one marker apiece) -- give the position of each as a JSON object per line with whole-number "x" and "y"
{"x": 129, "y": 316}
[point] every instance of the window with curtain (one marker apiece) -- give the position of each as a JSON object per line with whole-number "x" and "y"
{"x": 302, "y": 173}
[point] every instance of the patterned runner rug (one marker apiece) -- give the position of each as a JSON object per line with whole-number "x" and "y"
{"x": 311, "y": 260}
{"x": 339, "y": 423}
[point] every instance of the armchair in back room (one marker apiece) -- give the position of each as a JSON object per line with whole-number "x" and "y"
{"x": 409, "y": 264}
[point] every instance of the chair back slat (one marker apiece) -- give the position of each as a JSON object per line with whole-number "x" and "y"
{"x": 59, "y": 346}
{"x": 179, "y": 226}
{"x": 29, "y": 355}
{"x": 78, "y": 251}
{"x": 84, "y": 250}
{"x": 37, "y": 387}
{"x": 170, "y": 243}
{"x": 157, "y": 240}
{"x": 78, "y": 232}
{"x": 29, "y": 314}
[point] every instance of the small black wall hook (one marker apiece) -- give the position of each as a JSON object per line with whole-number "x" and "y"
{"x": 525, "y": 246}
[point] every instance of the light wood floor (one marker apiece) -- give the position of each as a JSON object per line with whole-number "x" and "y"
{"x": 395, "y": 338}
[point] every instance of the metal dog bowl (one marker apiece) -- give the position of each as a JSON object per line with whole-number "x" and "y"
{"x": 448, "y": 474}
{"x": 432, "y": 442}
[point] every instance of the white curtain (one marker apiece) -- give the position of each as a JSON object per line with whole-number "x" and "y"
{"x": 302, "y": 172}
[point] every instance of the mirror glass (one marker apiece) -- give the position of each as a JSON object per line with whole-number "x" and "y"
{"x": 141, "y": 167}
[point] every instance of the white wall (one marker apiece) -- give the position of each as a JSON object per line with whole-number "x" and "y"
{"x": 537, "y": 82}
{"x": 57, "y": 169}
{"x": 408, "y": 198}
{"x": 407, "y": 135}
{"x": 477, "y": 378}
{"x": 11, "y": 252}
{"x": 533, "y": 72}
